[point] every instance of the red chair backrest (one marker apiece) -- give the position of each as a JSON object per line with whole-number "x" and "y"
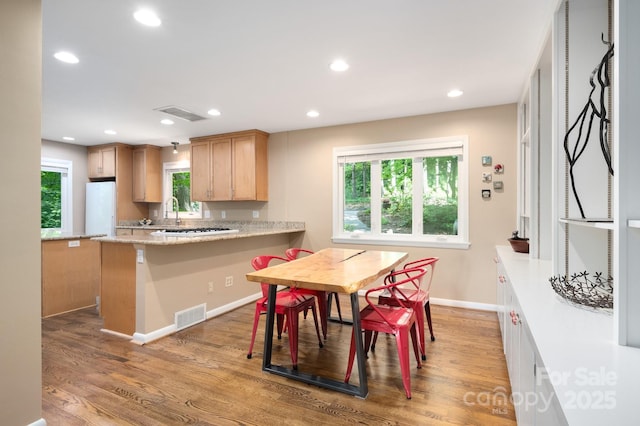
{"x": 292, "y": 253}
{"x": 429, "y": 265}
{"x": 414, "y": 276}
{"x": 261, "y": 262}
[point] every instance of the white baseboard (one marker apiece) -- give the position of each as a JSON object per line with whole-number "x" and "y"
{"x": 453, "y": 303}
{"x": 142, "y": 338}
{"x": 39, "y": 422}
{"x": 463, "y": 304}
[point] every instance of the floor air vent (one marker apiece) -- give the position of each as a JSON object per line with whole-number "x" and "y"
{"x": 191, "y": 316}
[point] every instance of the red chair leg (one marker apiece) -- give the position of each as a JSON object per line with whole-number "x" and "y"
{"x": 292, "y": 326}
{"x": 256, "y": 318}
{"x": 331, "y": 295}
{"x": 373, "y": 341}
{"x": 420, "y": 331}
{"x": 352, "y": 355}
{"x": 402, "y": 343}
{"x": 280, "y": 320}
{"x": 315, "y": 320}
{"x": 427, "y": 310}
{"x": 368, "y": 335}
{"x": 322, "y": 310}
{"x": 414, "y": 341}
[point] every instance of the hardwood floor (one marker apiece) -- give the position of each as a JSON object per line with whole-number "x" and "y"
{"x": 201, "y": 375}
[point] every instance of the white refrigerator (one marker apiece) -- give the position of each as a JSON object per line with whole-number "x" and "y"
{"x": 100, "y": 208}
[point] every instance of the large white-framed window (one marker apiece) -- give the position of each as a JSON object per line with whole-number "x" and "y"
{"x": 410, "y": 193}
{"x": 176, "y": 191}
{"x": 56, "y": 205}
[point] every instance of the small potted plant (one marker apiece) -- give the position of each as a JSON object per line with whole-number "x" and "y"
{"x": 520, "y": 245}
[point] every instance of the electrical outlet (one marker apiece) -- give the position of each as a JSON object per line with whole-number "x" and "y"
{"x": 256, "y": 214}
{"x": 210, "y": 287}
{"x": 228, "y": 282}
{"x": 223, "y": 214}
{"x": 207, "y": 214}
{"x": 154, "y": 213}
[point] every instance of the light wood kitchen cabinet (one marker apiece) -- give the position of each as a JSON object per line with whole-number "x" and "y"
{"x": 102, "y": 162}
{"x": 147, "y": 174}
{"x": 126, "y": 207}
{"x": 231, "y": 166}
{"x": 70, "y": 275}
{"x": 118, "y": 290}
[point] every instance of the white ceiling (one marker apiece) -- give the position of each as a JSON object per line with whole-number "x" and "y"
{"x": 264, "y": 64}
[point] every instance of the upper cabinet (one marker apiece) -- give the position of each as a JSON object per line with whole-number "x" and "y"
{"x": 102, "y": 162}
{"x": 119, "y": 157}
{"x": 147, "y": 174}
{"x": 231, "y": 166}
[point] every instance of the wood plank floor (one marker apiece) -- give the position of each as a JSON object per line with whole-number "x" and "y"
{"x": 202, "y": 376}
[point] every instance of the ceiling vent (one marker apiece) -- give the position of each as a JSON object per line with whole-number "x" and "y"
{"x": 180, "y": 113}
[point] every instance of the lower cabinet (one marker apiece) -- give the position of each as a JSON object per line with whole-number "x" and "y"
{"x": 118, "y": 291}
{"x": 532, "y": 394}
{"x": 70, "y": 275}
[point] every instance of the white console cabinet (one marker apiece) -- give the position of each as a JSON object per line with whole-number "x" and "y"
{"x": 532, "y": 399}
{"x": 564, "y": 363}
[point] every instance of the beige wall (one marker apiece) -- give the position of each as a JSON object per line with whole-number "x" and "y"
{"x": 78, "y": 156}
{"x": 300, "y": 188}
{"x": 20, "y": 87}
{"x": 174, "y": 278}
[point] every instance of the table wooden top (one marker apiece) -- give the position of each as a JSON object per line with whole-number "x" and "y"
{"x": 332, "y": 270}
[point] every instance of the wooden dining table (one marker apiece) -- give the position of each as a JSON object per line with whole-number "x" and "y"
{"x": 331, "y": 270}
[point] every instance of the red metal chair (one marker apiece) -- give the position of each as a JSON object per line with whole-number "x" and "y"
{"x": 399, "y": 320}
{"x": 289, "y": 304}
{"x": 324, "y": 299}
{"x": 417, "y": 297}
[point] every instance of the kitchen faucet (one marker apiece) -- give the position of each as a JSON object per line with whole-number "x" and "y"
{"x": 166, "y": 209}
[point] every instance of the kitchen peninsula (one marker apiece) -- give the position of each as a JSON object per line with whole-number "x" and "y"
{"x": 151, "y": 283}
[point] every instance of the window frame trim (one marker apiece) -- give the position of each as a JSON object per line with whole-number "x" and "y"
{"x": 66, "y": 191}
{"x": 175, "y": 167}
{"x": 411, "y": 147}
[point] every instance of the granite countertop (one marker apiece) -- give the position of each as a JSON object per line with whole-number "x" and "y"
{"x": 245, "y": 230}
{"x": 59, "y": 235}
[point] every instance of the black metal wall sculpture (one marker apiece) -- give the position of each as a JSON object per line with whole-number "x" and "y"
{"x": 591, "y": 110}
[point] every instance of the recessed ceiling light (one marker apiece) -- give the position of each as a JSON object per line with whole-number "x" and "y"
{"x": 147, "y": 17}
{"x": 213, "y": 112}
{"x": 110, "y": 132}
{"x": 67, "y": 57}
{"x": 166, "y": 122}
{"x": 313, "y": 113}
{"x": 454, "y": 93}
{"x": 339, "y": 65}
{"x": 68, "y": 138}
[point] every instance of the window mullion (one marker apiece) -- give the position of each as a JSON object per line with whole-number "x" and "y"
{"x": 339, "y": 199}
{"x": 418, "y": 190}
{"x": 376, "y": 196}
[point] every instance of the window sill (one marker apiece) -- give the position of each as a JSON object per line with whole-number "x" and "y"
{"x": 368, "y": 240}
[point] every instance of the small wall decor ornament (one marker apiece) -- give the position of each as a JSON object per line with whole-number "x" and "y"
{"x": 486, "y": 160}
{"x": 498, "y": 169}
